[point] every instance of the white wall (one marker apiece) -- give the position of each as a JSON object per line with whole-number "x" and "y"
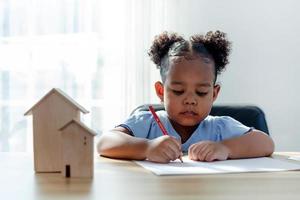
{"x": 265, "y": 58}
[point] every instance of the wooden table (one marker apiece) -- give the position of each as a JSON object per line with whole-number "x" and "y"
{"x": 119, "y": 179}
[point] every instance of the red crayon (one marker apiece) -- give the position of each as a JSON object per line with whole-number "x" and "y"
{"x": 161, "y": 126}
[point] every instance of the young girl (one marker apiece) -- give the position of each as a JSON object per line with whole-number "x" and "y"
{"x": 188, "y": 70}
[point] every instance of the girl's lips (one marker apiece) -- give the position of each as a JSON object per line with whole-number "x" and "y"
{"x": 188, "y": 113}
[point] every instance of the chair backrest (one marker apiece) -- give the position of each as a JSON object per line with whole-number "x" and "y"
{"x": 251, "y": 116}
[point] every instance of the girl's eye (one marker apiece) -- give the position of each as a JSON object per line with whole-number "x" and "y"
{"x": 201, "y": 94}
{"x": 177, "y": 92}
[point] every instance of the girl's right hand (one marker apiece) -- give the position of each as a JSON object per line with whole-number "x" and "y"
{"x": 163, "y": 149}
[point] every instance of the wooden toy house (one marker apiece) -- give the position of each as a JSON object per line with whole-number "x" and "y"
{"x": 53, "y": 111}
{"x": 77, "y": 150}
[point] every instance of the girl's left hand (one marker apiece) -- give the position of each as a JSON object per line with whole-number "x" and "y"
{"x": 208, "y": 151}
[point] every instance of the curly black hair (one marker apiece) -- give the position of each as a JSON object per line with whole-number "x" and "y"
{"x": 213, "y": 45}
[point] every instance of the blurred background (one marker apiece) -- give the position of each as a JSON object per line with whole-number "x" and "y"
{"x": 96, "y": 51}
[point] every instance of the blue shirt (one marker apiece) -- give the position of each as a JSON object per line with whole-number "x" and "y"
{"x": 213, "y": 128}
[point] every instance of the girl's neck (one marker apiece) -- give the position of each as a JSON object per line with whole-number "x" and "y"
{"x": 185, "y": 132}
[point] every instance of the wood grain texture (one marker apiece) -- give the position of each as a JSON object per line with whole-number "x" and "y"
{"x": 50, "y": 115}
{"x": 121, "y": 179}
{"x": 77, "y": 150}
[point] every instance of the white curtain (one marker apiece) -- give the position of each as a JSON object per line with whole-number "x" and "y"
{"x": 96, "y": 51}
{"x": 46, "y": 44}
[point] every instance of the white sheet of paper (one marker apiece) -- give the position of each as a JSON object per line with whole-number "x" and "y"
{"x": 265, "y": 164}
{"x": 295, "y": 158}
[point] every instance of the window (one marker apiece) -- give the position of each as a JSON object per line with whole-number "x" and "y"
{"x": 93, "y": 50}
{"x": 47, "y": 44}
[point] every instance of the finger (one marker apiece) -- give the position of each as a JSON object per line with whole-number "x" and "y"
{"x": 168, "y": 154}
{"x": 177, "y": 142}
{"x": 210, "y": 156}
{"x": 191, "y": 152}
{"x": 203, "y": 152}
{"x": 161, "y": 158}
{"x": 175, "y": 148}
{"x": 207, "y": 147}
{"x": 178, "y": 154}
{"x": 195, "y": 151}
{"x": 165, "y": 157}
{"x": 169, "y": 147}
{"x": 172, "y": 150}
{"x": 172, "y": 155}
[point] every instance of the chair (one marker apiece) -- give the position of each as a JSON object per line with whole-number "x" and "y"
{"x": 251, "y": 116}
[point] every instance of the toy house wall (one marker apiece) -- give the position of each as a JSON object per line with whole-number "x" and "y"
{"x": 77, "y": 151}
{"x": 48, "y": 117}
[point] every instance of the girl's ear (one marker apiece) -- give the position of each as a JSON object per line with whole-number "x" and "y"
{"x": 159, "y": 88}
{"x": 216, "y": 91}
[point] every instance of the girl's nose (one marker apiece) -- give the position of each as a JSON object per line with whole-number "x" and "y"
{"x": 190, "y": 100}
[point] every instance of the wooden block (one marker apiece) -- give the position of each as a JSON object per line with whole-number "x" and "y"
{"x": 77, "y": 150}
{"x": 49, "y": 114}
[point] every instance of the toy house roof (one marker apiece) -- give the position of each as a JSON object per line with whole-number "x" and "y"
{"x": 64, "y": 97}
{"x": 82, "y": 125}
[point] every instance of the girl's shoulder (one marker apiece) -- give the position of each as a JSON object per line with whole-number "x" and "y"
{"x": 219, "y": 119}
{"x": 225, "y": 126}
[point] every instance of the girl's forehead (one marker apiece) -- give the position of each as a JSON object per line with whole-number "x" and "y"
{"x": 193, "y": 69}
{"x": 180, "y": 63}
